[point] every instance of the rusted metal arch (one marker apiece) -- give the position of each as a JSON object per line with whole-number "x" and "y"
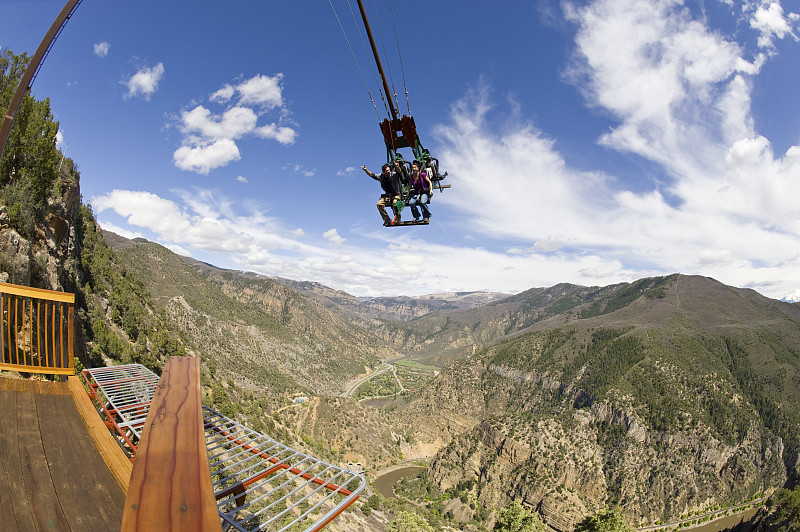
{"x": 33, "y": 69}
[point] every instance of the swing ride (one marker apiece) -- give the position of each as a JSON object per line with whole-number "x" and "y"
{"x": 398, "y": 131}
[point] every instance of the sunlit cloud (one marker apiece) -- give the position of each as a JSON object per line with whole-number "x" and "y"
{"x": 332, "y": 236}
{"x": 223, "y": 95}
{"x": 262, "y": 90}
{"x": 210, "y": 139}
{"x": 771, "y": 22}
{"x": 299, "y": 169}
{"x": 121, "y": 231}
{"x": 101, "y": 49}
{"x": 733, "y": 210}
{"x": 145, "y": 81}
{"x": 203, "y": 157}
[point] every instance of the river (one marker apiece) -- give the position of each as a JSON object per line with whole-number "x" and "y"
{"x": 725, "y": 522}
{"x": 386, "y": 482}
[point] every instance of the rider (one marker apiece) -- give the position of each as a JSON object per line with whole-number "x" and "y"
{"x": 390, "y": 183}
{"x": 419, "y": 192}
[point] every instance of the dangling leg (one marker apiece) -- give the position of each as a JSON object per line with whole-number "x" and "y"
{"x": 382, "y": 209}
{"x": 426, "y": 213}
{"x": 395, "y": 209}
{"x": 412, "y": 202}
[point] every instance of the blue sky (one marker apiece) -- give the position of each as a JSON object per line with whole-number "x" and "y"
{"x": 586, "y": 142}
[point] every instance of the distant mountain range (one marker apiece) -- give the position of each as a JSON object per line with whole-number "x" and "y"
{"x": 659, "y": 397}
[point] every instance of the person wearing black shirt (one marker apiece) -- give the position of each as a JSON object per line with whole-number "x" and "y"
{"x": 390, "y": 183}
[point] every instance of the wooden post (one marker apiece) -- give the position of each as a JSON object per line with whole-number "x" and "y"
{"x": 170, "y": 487}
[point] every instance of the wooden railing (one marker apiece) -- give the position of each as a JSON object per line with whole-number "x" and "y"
{"x": 170, "y": 486}
{"x": 37, "y": 333}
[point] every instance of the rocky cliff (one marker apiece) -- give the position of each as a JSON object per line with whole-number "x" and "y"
{"x": 46, "y": 253}
{"x": 671, "y": 404}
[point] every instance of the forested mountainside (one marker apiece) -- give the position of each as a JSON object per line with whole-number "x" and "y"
{"x": 660, "y": 397}
{"x": 251, "y": 329}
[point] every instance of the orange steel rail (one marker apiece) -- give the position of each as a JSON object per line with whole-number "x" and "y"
{"x": 122, "y": 396}
{"x": 37, "y": 330}
{"x": 261, "y": 484}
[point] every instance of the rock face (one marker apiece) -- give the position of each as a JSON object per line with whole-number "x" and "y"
{"x": 50, "y": 256}
{"x": 569, "y": 468}
{"x": 651, "y": 407}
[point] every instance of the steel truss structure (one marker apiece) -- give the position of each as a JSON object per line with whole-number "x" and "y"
{"x": 122, "y": 395}
{"x": 259, "y": 483}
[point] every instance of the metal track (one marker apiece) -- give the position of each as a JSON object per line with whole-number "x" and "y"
{"x": 259, "y": 483}
{"x": 123, "y": 395}
{"x": 262, "y": 484}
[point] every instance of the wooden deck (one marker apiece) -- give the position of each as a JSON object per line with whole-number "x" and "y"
{"x": 52, "y": 476}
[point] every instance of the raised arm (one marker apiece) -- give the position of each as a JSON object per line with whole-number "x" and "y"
{"x": 372, "y": 175}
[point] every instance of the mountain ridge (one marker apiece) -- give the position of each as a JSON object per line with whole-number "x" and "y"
{"x": 550, "y": 396}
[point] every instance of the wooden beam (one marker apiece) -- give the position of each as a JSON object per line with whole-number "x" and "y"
{"x": 40, "y": 293}
{"x": 170, "y": 487}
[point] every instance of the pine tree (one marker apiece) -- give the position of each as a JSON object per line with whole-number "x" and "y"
{"x": 516, "y": 518}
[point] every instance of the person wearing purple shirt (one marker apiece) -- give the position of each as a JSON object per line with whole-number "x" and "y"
{"x": 419, "y": 190}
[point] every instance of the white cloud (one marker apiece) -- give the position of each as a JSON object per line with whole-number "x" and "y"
{"x": 283, "y": 134}
{"x": 262, "y": 90}
{"x": 209, "y": 139}
{"x": 332, "y": 236}
{"x": 299, "y": 169}
{"x": 232, "y": 124}
{"x": 202, "y": 158}
{"x": 770, "y": 22}
{"x": 223, "y": 95}
{"x": 204, "y": 221}
{"x": 748, "y": 151}
{"x": 657, "y": 70}
{"x": 794, "y": 296}
{"x": 101, "y": 49}
{"x": 121, "y": 231}
{"x": 145, "y": 82}
{"x": 59, "y": 140}
{"x": 740, "y": 224}
{"x": 241, "y": 179}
